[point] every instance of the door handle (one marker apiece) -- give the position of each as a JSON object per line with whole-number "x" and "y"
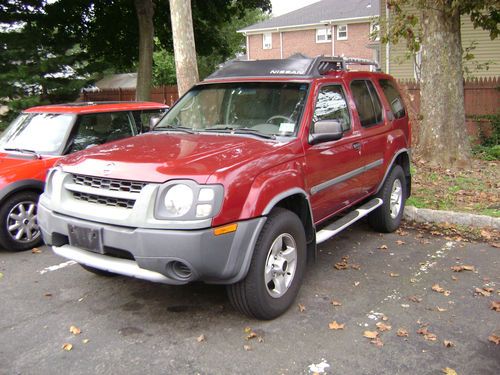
{"x": 356, "y": 146}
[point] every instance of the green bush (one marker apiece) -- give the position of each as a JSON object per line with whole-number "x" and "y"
{"x": 489, "y": 137}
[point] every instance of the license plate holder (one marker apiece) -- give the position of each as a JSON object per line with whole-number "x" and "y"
{"x": 86, "y": 238}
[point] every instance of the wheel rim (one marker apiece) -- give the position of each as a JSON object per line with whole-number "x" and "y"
{"x": 396, "y": 198}
{"x": 21, "y": 222}
{"x": 281, "y": 265}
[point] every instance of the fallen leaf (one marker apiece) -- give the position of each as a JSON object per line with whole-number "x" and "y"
{"x": 399, "y": 242}
{"x": 440, "y": 309}
{"x": 462, "y": 268}
{"x": 439, "y": 289}
{"x": 382, "y": 247}
{"x": 402, "y": 332}
{"x": 247, "y": 347}
{"x": 248, "y": 329}
{"x": 494, "y": 338}
{"x": 201, "y": 338}
{"x": 341, "y": 266}
{"x": 483, "y": 292}
{"x": 356, "y": 283}
{"x": 36, "y": 250}
{"x": 85, "y": 341}
{"x": 251, "y": 335}
{"x": 393, "y": 274}
{"x": 1, "y": 275}
{"x": 377, "y": 342}
{"x": 495, "y": 244}
{"x": 454, "y": 278}
{"x": 260, "y": 339}
{"x": 495, "y": 306}
{"x": 355, "y": 266}
{"x": 67, "y": 347}
{"x": 302, "y": 308}
{"x": 75, "y": 330}
{"x": 383, "y": 327}
{"x": 48, "y": 295}
{"x": 448, "y": 344}
{"x": 415, "y": 299}
{"x": 370, "y": 334}
{"x": 449, "y": 371}
{"x": 334, "y": 325}
{"x": 427, "y": 335}
{"x": 336, "y": 303}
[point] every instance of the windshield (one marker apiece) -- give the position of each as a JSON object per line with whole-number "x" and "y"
{"x": 267, "y": 108}
{"x": 43, "y": 133}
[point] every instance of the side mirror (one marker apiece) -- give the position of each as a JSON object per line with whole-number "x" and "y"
{"x": 325, "y": 131}
{"x": 153, "y": 120}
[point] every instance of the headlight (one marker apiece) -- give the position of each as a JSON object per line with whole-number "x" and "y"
{"x": 48, "y": 180}
{"x": 186, "y": 200}
{"x": 178, "y": 200}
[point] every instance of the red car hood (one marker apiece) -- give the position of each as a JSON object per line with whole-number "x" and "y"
{"x": 14, "y": 167}
{"x": 158, "y": 157}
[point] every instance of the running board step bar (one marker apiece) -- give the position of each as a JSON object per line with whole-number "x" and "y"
{"x": 342, "y": 223}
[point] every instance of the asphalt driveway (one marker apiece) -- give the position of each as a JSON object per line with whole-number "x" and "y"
{"x": 135, "y": 327}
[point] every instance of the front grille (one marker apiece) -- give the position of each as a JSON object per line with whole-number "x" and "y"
{"x": 109, "y": 184}
{"x": 108, "y": 201}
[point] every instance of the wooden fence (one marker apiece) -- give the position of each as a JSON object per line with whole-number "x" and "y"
{"x": 482, "y": 96}
{"x": 164, "y": 94}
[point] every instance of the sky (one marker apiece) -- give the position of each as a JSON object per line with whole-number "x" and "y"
{"x": 284, "y": 6}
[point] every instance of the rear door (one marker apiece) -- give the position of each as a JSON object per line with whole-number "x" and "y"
{"x": 374, "y": 128}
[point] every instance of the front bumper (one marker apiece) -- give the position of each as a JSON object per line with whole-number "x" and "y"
{"x": 159, "y": 255}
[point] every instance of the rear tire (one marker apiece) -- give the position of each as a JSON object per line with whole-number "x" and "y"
{"x": 97, "y": 271}
{"x": 19, "y": 230}
{"x": 276, "y": 270}
{"x": 387, "y": 217}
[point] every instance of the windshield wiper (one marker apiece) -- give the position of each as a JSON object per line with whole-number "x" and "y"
{"x": 184, "y": 129}
{"x": 24, "y": 151}
{"x": 229, "y": 129}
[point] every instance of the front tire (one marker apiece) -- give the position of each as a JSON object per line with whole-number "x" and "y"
{"x": 387, "y": 217}
{"x": 276, "y": 270}
{"x": 19, "y": 230}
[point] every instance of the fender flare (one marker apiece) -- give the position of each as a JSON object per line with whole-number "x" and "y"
{"x": 14, "y": 187}
{"x": 401, "y": 151}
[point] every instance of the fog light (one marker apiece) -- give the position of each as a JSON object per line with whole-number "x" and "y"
{"x": 203, "y": 210}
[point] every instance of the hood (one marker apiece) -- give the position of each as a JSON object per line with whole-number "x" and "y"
{"x": 18, "y": 166}
{"x": 158, "y": 157}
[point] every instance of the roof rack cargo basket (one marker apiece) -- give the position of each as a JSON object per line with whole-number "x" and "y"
{"x": 300, "y": 66}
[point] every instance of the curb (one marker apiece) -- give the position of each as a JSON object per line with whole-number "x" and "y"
{"x": 425, "y": 215}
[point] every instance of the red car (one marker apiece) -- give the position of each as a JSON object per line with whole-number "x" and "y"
{"x": 38, "y": 137}
{"x": 239, "y": 181}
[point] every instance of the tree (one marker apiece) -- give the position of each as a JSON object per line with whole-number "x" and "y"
{"x": 184, "y": 46}
{"x": 145, "y": 12}
{"x": 436, "y": 29}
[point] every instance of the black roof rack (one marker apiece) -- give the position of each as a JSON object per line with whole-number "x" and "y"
{"x": 300, "y": 67}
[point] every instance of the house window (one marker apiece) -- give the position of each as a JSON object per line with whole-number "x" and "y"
{"x": 342, "y": 32}
{"x": 267, "y": 40}
{"x": 323, "y": 35}
{"x": 375, "y": 31}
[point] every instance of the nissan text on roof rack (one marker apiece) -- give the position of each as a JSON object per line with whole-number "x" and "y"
{"x": 239, "y": 182}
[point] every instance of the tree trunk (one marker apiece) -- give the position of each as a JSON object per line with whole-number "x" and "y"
{"x": 145, "y": 12}
{"x": 443, "y": 133}
{"x": 184, "y": 48}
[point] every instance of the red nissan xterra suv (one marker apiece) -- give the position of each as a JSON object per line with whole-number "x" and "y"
{"x": 37, "y": 138}
{"x": 239, "y": 182}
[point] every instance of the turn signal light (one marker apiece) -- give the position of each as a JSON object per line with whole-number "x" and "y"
{"x": 225, "y": 229}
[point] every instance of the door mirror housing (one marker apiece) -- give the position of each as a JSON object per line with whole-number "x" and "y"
{"x": 325, "y": 131}
{"x": 153, "y": 120}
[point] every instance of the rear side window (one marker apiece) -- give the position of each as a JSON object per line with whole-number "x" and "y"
{"x": 331, "y": 105}
{"x": 393, "y": 97}
{"x": 367, "y": 103}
